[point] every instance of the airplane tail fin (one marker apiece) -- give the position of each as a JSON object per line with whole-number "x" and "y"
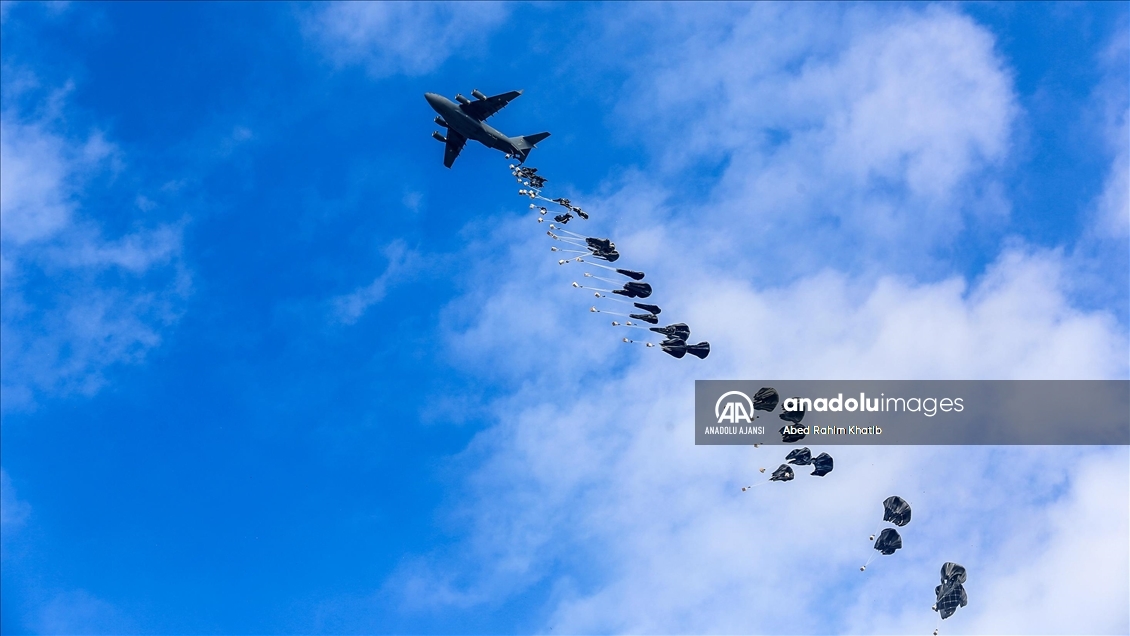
{"x": 526, "y": 143}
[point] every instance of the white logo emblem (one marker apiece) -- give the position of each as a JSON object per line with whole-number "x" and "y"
{"x": 735, "y": 411}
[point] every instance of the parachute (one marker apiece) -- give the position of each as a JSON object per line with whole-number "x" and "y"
{"x": 789, "y": 438}
{"x": 896, "y": 510}
{"x": 888, "y": 541}
{"x": 595, "y": 251}
{"x": 679, "y": 348}
{"x": 678, "y": 331}
{"x": 792, "y": 416}
{"x": 632, "y": 289}
{"x": 602, "y": 248}
{"x": 765, "y": 400}
{"x": 530, "y": 177}
{"x": 783, "y": 473}
{"x": 950, "y": 595}
{"x": 822, "y": 464}
{"x": 799, "y": 456}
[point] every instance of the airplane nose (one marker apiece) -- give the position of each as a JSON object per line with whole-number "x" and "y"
{"x": 431, "y": 97}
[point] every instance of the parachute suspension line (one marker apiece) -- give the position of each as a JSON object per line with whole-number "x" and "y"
{"x": 630, "y": 324}
{"x": 613, "y": 298}
{"x": 610, "y": 313}
{"x": 601, "y": 266}
{"x": 607, "y": 280}
{"x": 571, "y": 242}
{"x": 869, "y": 560}
{"x": 594, "y": 310}
{"x": 551, "y": 235}
{"x": 566, "y": 239}
{"x": 564, "y": 231}
{"x": 876, "y": 531}
{"x": 580, "y": 286}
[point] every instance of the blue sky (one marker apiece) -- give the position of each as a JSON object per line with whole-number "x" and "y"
{"x": 268, "y": 367}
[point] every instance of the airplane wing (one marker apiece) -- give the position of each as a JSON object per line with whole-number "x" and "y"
{"x": 480, "y": 109}
{"x": 454, "y": 146}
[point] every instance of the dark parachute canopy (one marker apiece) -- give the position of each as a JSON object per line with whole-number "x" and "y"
{"x": 531, "y": 176}
{"x": 680, "y": 348}
{"x": 822, "y": 464}
{"x": 599, "y": 247}
{"x": 674, "y": 348}
{"x": 765, "y": 400}
{"x": 950, "y": 595}
{"x": 783, "y": 473}
{"x": 630, "y": 274}
{"x": 896, "y": 510}
{"x": 799, "y": 456}
{"x": 888, "y": 541}
{"x": 793, "y": 416}
{"x": 677, "y": 331}
{"x": 788, "y": 437}
{"x": 633, "y": 289}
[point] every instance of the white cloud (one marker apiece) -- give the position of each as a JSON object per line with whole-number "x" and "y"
{"x": 388, "y": 38}
{"x": 590, "y": 483}
{"x": 591, "y": 477}
{"x": 1101, "y": 255}
{"x": 34, "y": 197}
{"x": 13, "y": 511}
{"x": 1113, "y": 218}
{"x": 349, "y": 308}
{"x": 851, "y": 137}
{"x": 75, "y": 301}
{"x": 1084, "y": 534}
{"x": 1114, "y": 203}
{"x": 80, "y": 612}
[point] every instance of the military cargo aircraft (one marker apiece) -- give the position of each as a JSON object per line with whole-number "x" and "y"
{"x": 467, "y": 120}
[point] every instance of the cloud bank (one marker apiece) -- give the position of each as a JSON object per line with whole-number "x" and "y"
{"x": 389, "y": 38}
{"x": 76, "y": 301}
{"x": 859, "y": 148}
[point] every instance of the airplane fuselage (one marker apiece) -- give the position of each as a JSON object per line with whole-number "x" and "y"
{"x": 468, "y": 126}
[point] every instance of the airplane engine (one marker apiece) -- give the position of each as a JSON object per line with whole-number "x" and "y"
{"x": 477, "y": 95}
{"x": 462, "y": 100}
{"x": 439, "y": 120}
{"x": 439, "y": 137}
